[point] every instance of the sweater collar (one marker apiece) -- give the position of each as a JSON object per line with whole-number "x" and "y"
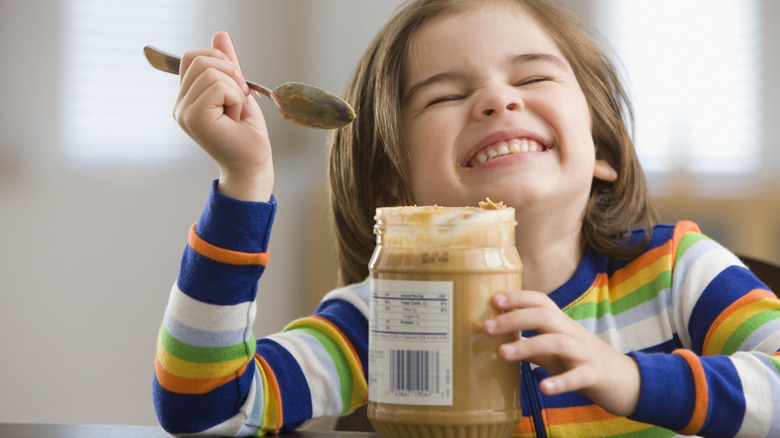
{"x": 592, "y": 263}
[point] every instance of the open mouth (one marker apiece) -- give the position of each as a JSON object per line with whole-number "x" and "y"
{"x": 508, "y": 147}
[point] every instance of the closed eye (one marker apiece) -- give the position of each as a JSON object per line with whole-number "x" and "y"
{"x": 445, "y": 99}
{"x": 533, "y": 80}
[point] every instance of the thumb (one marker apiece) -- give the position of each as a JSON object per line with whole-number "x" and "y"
{"x": 224, "y": 43}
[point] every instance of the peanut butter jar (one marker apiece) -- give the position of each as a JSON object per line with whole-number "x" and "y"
{"x": 433, "y": 372}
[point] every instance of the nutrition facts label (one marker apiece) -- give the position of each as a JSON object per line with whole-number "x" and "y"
{"x": 410, "y": 342}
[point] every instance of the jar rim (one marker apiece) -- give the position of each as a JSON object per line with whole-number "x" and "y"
{"x": 443, "y": 216}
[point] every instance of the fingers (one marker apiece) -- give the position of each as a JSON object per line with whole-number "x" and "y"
{"x": 526, "y": 298}
{"x": 577, "y": 359}
{"x": 195, "y": 62}
{"x": 572, "y": 380}
{"x": 212, "y": 70}
{"x": 211, "y": 95}
{"x": 222, "y": 48}
{"x": 526, "y": 310}
{"x": 222, "y": 42}
{"x": 558, "y": 354}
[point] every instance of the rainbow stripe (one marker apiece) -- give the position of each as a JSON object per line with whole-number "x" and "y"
{"x": 703, "y": 330}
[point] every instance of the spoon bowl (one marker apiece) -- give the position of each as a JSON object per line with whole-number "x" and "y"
{"x": 301, "y": 103}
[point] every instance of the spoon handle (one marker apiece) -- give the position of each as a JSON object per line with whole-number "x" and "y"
{"x": 170, "y": 63}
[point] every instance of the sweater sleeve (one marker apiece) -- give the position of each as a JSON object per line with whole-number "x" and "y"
{"x": 211, "y": 376}
{"x": 725, "y": 381}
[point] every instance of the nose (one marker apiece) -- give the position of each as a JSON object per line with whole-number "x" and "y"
{"x": 496, "y": 100}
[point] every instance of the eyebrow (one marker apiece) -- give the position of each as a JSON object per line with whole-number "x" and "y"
{"x": 437, "y": 78}
{"x": 453, "y": 75}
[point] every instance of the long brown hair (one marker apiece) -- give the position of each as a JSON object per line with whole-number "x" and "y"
{"x": 366, "y": 157}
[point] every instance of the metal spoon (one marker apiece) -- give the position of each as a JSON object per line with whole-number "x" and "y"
{"x": 301, "y": 103}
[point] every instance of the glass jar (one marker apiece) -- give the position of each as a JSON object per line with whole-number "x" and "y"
{"x": 433, "y": 372}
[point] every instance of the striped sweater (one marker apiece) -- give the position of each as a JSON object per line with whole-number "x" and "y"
{"x": 703, "y": 330}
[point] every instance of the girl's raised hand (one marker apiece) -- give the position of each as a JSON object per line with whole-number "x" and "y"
{"x": 216, "y": 109}
{"x": 577, "y": 359}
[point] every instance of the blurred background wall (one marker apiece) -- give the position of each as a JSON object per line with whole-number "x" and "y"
{"x": 93, "y": 221}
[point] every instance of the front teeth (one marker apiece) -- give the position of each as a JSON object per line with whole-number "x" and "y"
{"x": 505, "y": 148}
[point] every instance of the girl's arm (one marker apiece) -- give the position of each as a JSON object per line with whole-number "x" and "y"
{"x": 211, "y": 377}
{"x": 726, "y": 381}
{"x": 205, "y": 375}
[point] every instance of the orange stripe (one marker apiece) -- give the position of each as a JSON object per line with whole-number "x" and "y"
{"x": 274, "y": 386}
{"x": 752, "y": 296}
{"x": 578, "y": 414}
{"x": 225, "y": 255}
{"x": 640, "y": 264}
{"x": 524, "y": 428}
{"x": 185, "y": 385}
{"x": 680, "y": 230}
{"x": 702, "y": 403}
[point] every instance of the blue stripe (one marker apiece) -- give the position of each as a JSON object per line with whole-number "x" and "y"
{"x": 727, "y": 287}
{"x": 200, "y": 277}
{"x": 326, "y": 361}
{"x": 236, "y": 225}
{"x": 667, "y": 395}
{"x": 664, "y": 347}
{"x": 255, "y": 418}
{"x": 661, "y": 234}
{"x": 592, "y": 263}
{"x": 772, "y": 376}
{"x": 296, "y": 400}
{"x": 190, "y": 413}
{"x": 727, "y": 403}
{"x": 203, "y": 338}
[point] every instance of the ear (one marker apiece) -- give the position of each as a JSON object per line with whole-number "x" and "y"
{"x": 604, "y": 171}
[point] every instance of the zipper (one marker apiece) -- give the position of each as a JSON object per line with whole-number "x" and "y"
{"x": 529, "y": 389}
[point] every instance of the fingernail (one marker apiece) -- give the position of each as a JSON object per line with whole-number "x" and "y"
{"x": 489, "y": 325}
{"x": 509, "y": 350}
{"x": 241, "y": 81}
{"x": 548, "y": 386}
{"x": 499, "y": 299}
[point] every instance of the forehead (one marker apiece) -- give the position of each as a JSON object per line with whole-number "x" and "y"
{"x": 494, "y": 28}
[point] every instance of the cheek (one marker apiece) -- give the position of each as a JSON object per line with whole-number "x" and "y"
{"x": 428, "y": 144}
{"x": 430, "y": 170}
{"x": 580, "y": 113}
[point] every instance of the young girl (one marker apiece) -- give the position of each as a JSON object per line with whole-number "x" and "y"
{"x": 629, "y": 327}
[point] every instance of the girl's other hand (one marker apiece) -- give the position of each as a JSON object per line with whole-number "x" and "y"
{"x": 215, "y": 108}
{"x": 577, "y": 359}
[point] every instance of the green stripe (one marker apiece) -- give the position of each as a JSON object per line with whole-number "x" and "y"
{"x": 644, "y": 293}
{"x": 652, "y": 432}
{"x": 686, "y": 242}
{"x": 747, "y": 328}
{"x": 339, "y": 359}
{"x": 191, "y": 353}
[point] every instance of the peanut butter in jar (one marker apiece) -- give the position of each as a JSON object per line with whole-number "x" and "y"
{"x": 432, "y": 369}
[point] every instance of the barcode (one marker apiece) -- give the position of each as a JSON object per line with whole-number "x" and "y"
{"x": 414, "y": 371}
